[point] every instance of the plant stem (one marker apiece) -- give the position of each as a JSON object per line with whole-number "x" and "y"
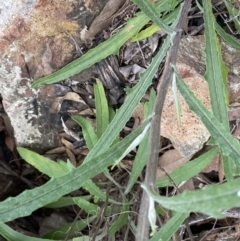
{"x": 142, "y": 233}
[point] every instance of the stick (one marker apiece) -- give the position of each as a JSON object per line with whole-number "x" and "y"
{"x": 142, "y": 233}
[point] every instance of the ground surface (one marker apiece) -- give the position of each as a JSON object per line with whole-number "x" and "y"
{"x": 116, "y": 73}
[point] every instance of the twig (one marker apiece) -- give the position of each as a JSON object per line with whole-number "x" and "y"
{"x": 142, "y": 233}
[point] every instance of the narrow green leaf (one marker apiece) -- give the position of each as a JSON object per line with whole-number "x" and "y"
{"x": 139, "y": 163}
{"x": 90, "y": 135}
{"x": 229, "y": 167}
{"x": 110, "y": 46}
{"x": 124, "y": 113}
{"x": 85, "y": 205}
{"x": 30, "y": 200}
{"x": 216, "y": 71}
{"x": 102, "y": 113}
{"x": 150, "y": 103}
{"x": 142, "y": 153}
{"x": 134, "y": 97}
{"x": 91, "y": 138}
{"x": 211, "y": 201}
{"x": 122, "y": 219}
{"x": 219, "y": 132}
{"x": 153, "y": 14}
{"x": 134, "y": 144}
{"x": 43, "y": 164}
{"x": 88, "y": 132}
{"x": 216, "y": 76}
{"x": 233, "y": 42}
{"x": 94, "y": 190}
{"x": 234, "y": 13}
{"x": 112, "y": 113}
{"x": 65, "y": 201}
{"x": 189, "y": 170}
{"x": 167, "y": 231}
{"x": 94, "y": 209}
{"x": 176, "y": 99}
{"x": 54, "y": 169}
{"x": 69, "y": 228}
{"x": 11, "y": 235}
{"x": 149, "y": 31}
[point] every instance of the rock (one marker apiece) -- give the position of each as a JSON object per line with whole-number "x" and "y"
{"x": 192, "y": 134}
{"x": 188, "y": 136}
{"x": 191, "y": 53}
{"x": 36, "y": 39}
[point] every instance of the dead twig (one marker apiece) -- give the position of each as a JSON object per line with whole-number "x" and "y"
{"x": 142, "y": 233}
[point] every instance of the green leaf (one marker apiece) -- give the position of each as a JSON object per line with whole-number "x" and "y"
{"x": 134, "y": 144}
{"x": 219, "y": 132}
{"x": 69, "y": 228}
{"x": 142, "y": 153}
{"x": 94, "y": 209}
{"x": 88, "y": 207}
{"x": 168, "y": 229}
{"x": 108, "y": 47}
{"x": 150, "y": 103}
{"x": 56, "y": 169}
{"x": 111, "y": 117}
{"x": 189, "y": 170}
{"x": 88, "y": 132}
{"x": 229, "y": 167}
{"x": 149, "y": 31}
{"x": 102, "y": 113}
{"x": 216, "y": 71}
{"x": 65, "y": 201}
{"x": 153, "y": 14}
{"x": 233, "y": 42}
{"x": 176, "y": 99}
{"x": 234, "y": 13}
{"x": 94, "y": 190}
{"x": 211, "y": 201}
{"x": 43, "y": 164}
{"x": 139, "y": 163}
{"x": 90, "y": 136}
{"x": 122, "y": 219}
{"x": 134, "y": 97}
{"x": 30, "y": 200}
{"x": 12, "y": 235}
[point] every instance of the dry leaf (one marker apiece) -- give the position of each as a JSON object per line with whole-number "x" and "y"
{"x": 213, "y": 166}
{"x": 188, "y": 185}
{"x": 74, "y": 97}
{"x": 138, "y": 115}
{"x": 71, "y": 157}
{"x": 58, "y": 150}
{"x": 10, "y": 143}
{"x": 85, "y": 112}
{"x": 69, "y": 132}
{"x": 84, "y": 151}
{"x": 56, "y": 105}
{"x": 68, "y": 144}
{"x": 103, "y": 20}
{"x": 236, "y": 132}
